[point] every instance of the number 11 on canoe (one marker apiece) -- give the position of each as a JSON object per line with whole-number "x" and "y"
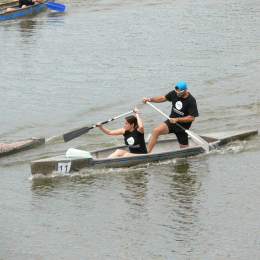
{"x": 76, "y": 133}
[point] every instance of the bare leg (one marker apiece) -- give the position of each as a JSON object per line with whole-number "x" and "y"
{"x": 118, "y": 153}
{"x": 10, "y": 9}
{"x": 128, "y": 153}
{"x": 161, "y": 129}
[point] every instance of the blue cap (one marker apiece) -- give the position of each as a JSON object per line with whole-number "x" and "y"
{"x": 181, "y": 85}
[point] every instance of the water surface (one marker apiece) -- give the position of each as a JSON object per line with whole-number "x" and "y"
{"x": 96, "y": 61}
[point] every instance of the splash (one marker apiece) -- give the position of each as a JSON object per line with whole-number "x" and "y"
{"x": 234, "y": 147}
{"x": 54, "y": 139}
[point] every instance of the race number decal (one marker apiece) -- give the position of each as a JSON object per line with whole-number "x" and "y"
{"x": 63, "y": 166}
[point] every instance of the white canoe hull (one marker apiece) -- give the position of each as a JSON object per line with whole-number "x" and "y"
{"x": 163, "y": 150}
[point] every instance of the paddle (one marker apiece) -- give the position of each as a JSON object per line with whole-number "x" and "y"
{"x": 55, "y": 6}
{"x": 197, "y": 139}
{"x": 76, "y": 133}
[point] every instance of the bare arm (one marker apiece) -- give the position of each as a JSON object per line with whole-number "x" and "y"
{"x": 186, "y": 119}
{"x": 155, "y": 99}
{"x": 139, "y": 122}
{"x": 119, "y": 131}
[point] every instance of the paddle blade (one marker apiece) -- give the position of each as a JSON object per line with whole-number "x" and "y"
{"x": 76, "y": 133}
{"x": 55, "y": 6}
{"x": 200, "y": 141}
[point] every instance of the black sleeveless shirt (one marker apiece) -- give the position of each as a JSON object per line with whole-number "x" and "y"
{"x": 135, "y": 141}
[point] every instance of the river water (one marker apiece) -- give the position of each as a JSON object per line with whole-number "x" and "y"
{"x": 95, "y": 61}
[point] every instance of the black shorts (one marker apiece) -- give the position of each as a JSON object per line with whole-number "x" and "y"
{"x": 181, "y": 135}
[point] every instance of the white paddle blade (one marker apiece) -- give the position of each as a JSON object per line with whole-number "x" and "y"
{"x": 200, "y": 141}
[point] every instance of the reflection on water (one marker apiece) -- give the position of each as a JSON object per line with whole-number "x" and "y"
{"x": 55, "y": 17}
{"x": 184, "y": 184}
{"x": 184, "y": 189}
{"x": 27, "y": 25}
{"x": 135, "y": 194}
{"x": 47, "y": 183}
{"x": 27, "y": 28}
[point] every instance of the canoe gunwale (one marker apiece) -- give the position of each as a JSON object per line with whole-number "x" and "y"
{"x": 146, "y": 155}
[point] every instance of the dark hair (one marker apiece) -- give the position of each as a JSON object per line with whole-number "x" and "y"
{"x": 132, "y": 120}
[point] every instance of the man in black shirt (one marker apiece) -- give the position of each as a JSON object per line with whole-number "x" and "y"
{"x": 184, "y": 110}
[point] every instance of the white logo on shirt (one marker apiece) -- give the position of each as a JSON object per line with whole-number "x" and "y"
{"x": 178, "y": 105}
{"x": 130, "y": 141}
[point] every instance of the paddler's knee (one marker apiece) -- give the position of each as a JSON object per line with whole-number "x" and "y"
{"x": 156, "y": 132}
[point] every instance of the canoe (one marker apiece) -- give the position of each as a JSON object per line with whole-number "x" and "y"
{"x": 18, "y": 146}
{"x": 163, "y": 149}
{"x": 22, "y": 12}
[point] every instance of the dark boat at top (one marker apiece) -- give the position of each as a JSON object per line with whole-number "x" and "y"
{"x": 22, "y": 12}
